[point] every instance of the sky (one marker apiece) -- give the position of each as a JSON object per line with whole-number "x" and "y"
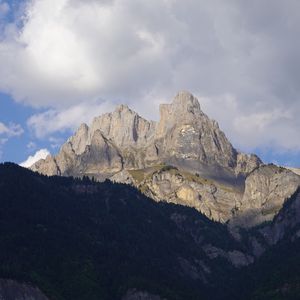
{"x": 63, "y": 62}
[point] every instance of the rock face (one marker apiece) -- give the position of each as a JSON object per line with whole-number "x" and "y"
{"x": 287, "y": 222}
{"x": 184, "y": 132}
{"x": 215, "y": 200}
{"x": 285, "y": 228}
{"x": 237, "y": 258}
{"x": 184, "y": 136}
{"x": 295, "y": 170}
{"x": 184, "y": 158}
{"x": 125, "y": 127}
{"x": 246, "y": 163}
{"x": 12, "y": 290}
{"x": 266, "y": 190}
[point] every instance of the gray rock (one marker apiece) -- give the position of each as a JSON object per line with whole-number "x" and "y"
{"x": 295, "y": 170}
{"x": 285, "y": 225}
{"x": 287, "y": 221}
{"x": 185, "y": 132}
{"x": 122, "y": 177}
{"x": 266, "y": 190}
{"x": 46, "y": 166}
{"x": 246, "y": 163}
{"x": 217, "y": 201}
{"x": 211, "y": 175}
{"x": 125, "y": 128}
{"x": 237, "y": 258}
{"x": 13, "y": 290}
{"x": 81, "y": 139}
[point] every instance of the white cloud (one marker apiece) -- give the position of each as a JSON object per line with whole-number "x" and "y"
{"x": 275, "y": 128}
{"x": 11, "y": 130}
{"x": 71, "y": 52}
{"x": 55, "y": 142}
{"x": 41, "y": 154}
{"x": 46, "y": 123}
{"x": 68, "y": 51}
{"x": 7, "y": 132}
{"x": 4, "y": 8}
{"x": 31, "y": 146}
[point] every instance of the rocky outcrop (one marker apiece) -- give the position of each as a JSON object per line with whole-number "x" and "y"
{"x": 286, "y": 222}
{"x": 217, "y": 201}
{"x": 184, "y": 158}
{"x": 295, "y": 170}
{"x": 266, "y": 190}
{"x": 47, "y": 166}
{"x": 235, "y": 257}
{"x": 125, "y": 127}
{"x": 184, "y": 132}
{"x": 134, "y": 294}
{"x": 246, "y": 163}
{"x": 13, "y": 290}
{"x": 285, "y": 227}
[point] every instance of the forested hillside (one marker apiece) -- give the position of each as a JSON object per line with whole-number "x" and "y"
{"x": 79, "y": 239}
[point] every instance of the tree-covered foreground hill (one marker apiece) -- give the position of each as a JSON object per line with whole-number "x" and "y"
{"x": 78, "y": 239}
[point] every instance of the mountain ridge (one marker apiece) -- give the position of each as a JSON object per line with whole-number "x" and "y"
{"x": 183, "y": 158}
{"x": 180, "y": 121}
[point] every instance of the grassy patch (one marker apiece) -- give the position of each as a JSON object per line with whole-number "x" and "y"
{"x": 137, "y": 175}
{"x": 142, "y": 174}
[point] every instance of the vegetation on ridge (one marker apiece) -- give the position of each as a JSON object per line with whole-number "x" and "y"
{"x": 79, "y": 239}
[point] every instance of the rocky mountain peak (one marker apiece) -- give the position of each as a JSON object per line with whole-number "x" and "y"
{"x": 83, "y": 127}
{"x": 80, "y": 139}
{"x": 123, "y": 111}
{"x": 186, "y": 102}
{"x": 124, "y": 127}
{"x": 184, "y": 108}
{"x": 184, "y": 158}
{"x": 186, "y": 133}
{"x": 183, "y": 135}
{"x": 122, "y": 107}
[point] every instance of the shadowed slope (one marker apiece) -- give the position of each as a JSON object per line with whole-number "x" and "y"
{"x": 76, "y": 239}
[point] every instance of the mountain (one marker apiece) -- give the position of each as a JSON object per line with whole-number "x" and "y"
{"x": 64, "y": 238}
{"x": 184, "y": 158}
{"x": 276, "y": 244}
{"x": 122, "y": 140}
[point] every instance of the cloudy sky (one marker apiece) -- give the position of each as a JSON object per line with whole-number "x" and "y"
{"x": 62, "y": 62}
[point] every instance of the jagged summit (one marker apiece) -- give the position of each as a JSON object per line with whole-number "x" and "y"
{"x": 183, "y": 158}
{"x": 186, "y": 133}
{"x": 124, "y": 127}
{"x": 184, "y": 107}
{"x": 183, "y": 133}
{"x": 186, "y": 101}
{"x": 123, "y": 107}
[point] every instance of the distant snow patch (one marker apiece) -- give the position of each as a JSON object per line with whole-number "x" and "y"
{"x": 41, "y": 154}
